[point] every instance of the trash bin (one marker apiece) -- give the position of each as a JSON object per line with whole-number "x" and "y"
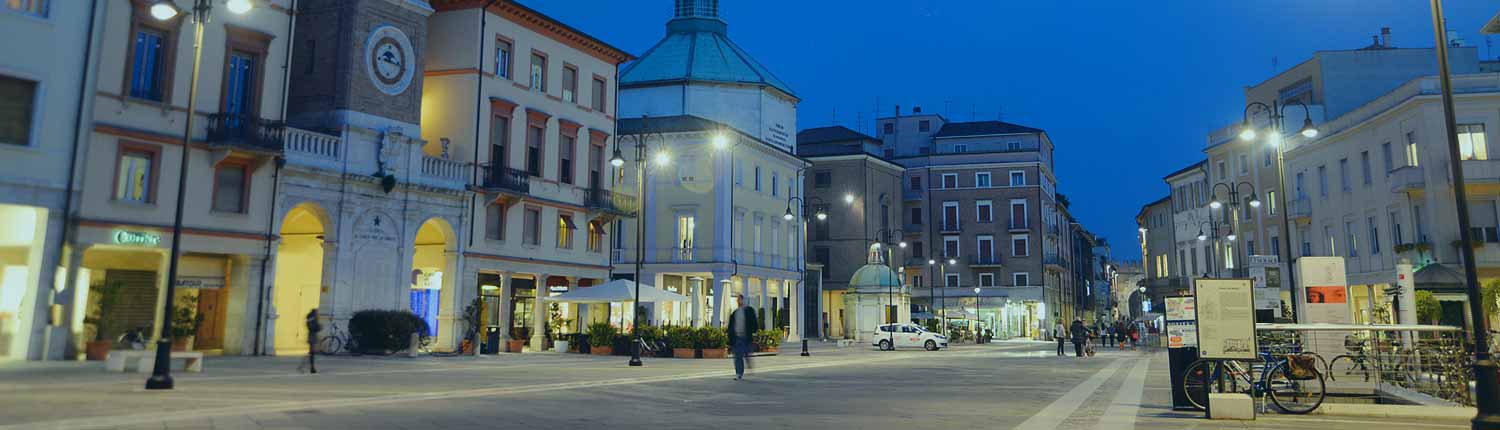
{"x": 582, "y": 340}
{"x": 491, "y": 341}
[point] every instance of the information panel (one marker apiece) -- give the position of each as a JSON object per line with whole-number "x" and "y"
{"x": 1182, "y": 325}
{"x": 1226, "y": 319}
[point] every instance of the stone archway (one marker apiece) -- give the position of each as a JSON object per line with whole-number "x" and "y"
{"x": 433, "y": 286}
{"x": 300, "y": 257}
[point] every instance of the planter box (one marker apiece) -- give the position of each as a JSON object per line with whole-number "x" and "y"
{"x": 684, "y": 353}
{"x": 98, "y": 350}
{"x": 601, "y": 350}
{"x": 560, "y": 345}
{"x": 514, "y": 345}
{"x": 715, "y": 353}
{"x": 181, "y": 344}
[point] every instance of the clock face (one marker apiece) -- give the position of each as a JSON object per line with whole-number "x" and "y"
{"x": 389, "y": 60}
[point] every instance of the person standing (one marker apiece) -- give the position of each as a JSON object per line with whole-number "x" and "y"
{"x": 1080, "y": 336}
{"x": 313, "y": 327}
{"x": 742, "y": 326}
{"x": 1059, "y": 334}
{"x": 1135, "y": 336}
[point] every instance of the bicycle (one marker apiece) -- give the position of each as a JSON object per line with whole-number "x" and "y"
{"x": 1358, "y": 358}
{"x": 337, "y": 342}
{"x": 1295, "y": 388}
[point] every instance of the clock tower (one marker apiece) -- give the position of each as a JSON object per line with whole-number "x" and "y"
{"x": 358, "y": 62}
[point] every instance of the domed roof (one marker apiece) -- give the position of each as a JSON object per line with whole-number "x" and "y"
{"x": 875, "y": 275}
{"x": 697, "y": 48}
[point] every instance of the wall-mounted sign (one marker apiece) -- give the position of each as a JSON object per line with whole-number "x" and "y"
{"x": 136, "y": 238}
{"x": 200, "y": 282}
{"x": 557, "y": 288}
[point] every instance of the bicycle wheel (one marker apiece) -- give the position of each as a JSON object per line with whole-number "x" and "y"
{"x": 1193, "y": 382}
{"x": 1352, "y": 363}
{"x": 330, "y": 345}
{"x": 1294, "y": 396}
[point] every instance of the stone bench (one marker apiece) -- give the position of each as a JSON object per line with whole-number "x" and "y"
{"x": 145, "y": 360}
{"x": 845, "y": 343}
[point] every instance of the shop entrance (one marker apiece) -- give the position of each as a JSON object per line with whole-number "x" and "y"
{"x": 22, "y": 233}
{"x": 429, "y": 295}
{"x": 299, "y": 276}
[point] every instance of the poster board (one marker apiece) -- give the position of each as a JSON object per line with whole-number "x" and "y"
{"x": 1323, "y": 294}
{"x": 1226, "y": 319}
{"x": 1265, "y": 272}
{"x": 1182, "y": 324}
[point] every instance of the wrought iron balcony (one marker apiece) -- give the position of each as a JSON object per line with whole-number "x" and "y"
{"x": 948, "y": 227}
{"x": 984, "y": 260}
{"x": 245, "y": 131}
{"x": 1018, "y": 226}
{"x": 499, "y": 178}
{"x": 612, "y": 202}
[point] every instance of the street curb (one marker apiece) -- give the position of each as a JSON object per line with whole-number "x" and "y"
{"x": 1396, "y": 411}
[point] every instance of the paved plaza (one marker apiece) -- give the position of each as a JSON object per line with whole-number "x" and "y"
{"x": 1002, "y": 385}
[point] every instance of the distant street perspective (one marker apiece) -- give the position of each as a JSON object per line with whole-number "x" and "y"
{"x": 896, "y": 214}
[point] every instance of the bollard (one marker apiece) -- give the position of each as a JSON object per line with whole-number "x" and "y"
{"x": 804, "y": 349}
{"x": 416, "y": 342}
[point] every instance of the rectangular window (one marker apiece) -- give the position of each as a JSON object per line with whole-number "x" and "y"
{"x": 148, "y": 64}
{"x": 1374, "y": 235}
{"x": 1250, "y": 247}
{"x": 916, "y": 183}
{"x": 951, "y": 280}
{"x": 1271, "y": 202}
{"x": 599, "y": 89}
{"x": 985, "y": 211}
{"x": 1276, "y": 246}
{"x": 1020, "y": 245}
{"x": 135, "y": 179}
{"x": 951, "y": 247}
{"x": 1223, "y": 172}
{"x": 502, "y": 58}
{"x": 960, "y": 148}
{"x": 36, "y": 8}
{"x": 535, "y": 137}
{"x": 1306, "y": 242}
{"x": 950, "y": 216}
{"x": 986, "y": 279}
{"x": 1301, "y": 190}
{"x": 499, "y": 140}
{"x": 596, "y": 236}
{"x": 533, "y": 232}
{"x": 1018, "y": 216}
{"x": 570, "y": 84}
{"x": 687, "y": 230}
{"x": 1395, "y": 229}
{"x": 1364, "y": 166}
{"x": 1244, "y": 164}
{"x": 1483, "y": 222}
{"x": 1351, "y": 239}
{"x": 889, "y": 128}
{"x": 231, "y": 181}
{"x": 982, "y": 179}
{"x": 17, "y": 108}
{"x": 950, "y": 181}
{"x": 566, "y": 146}
{"x": 1328, "y": 236}
{"x": 1411, "y": 148}
{"x": 822, "y": 179}
{"x": 916, "y": 216}
{"x": 1013, "y": 146}
{"x": 757, "y": 178}
{"x": 985, "y": 250}
{"x": 1385, "y": 155}
{"x": 916, "y": 249}
{"x": 1021, "y": 279}
{"x": 1471, "y": 144}
{"x": 538, "y": 73}
{"x": 1323, "y": 181}
{"x": 775, "y": 184}
{"x": 924, "y": 126}
{"x": 1017, "y": 178}
{"x": 494, "y": 221}
{"x": 1344, "y": 174}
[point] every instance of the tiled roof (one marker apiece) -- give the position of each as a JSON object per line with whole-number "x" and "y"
{"x": 837, "y": 133}
{"x": 698, "y": 50}
{"x": 983, "y": 128}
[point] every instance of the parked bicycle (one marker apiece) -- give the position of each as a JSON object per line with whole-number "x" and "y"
{"x": 1292, "y": 381}
{"x": 338, "y": 342}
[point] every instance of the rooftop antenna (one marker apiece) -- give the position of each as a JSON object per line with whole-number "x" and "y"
{"x": 947, "y": 107}
{"x": 1275, "y": 64}
{"x": 1000, "y": 113}
{"x": 972, "y": 108}
{"x": 835, "y": 116}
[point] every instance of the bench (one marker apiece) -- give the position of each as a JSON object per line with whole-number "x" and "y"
{"x": 145, "y": 360}
{"x": 845, "y": 343}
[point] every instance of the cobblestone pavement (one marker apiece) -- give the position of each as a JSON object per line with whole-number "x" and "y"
{"x": 1004, "y": 385}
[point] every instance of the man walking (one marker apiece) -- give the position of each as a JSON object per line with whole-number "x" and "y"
{"x": 1080, "y": 336}
{"x": 313, "y": 327}
{"x": 1059, "y": 334}
{"x": 742, "y": 326}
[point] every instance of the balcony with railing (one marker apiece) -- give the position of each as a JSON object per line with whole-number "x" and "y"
{"x": 1407, "y": 179}
{"x": 1052, "y": 260}
{"x": 442, "y": 173}
{"x": 1300, "y": 208}
{"x": 909, "y": 194}
{"x": 948, "y": 227}
{"x": 312, "y": 149}
{"x": 612, "y": 202}
{"x": 497, "y": 178}
{"x": 245, "y": 132}
{"x": 1482, "y": 175}
{"x": 978, "y": 261}
{"x": 1018, "y": 227}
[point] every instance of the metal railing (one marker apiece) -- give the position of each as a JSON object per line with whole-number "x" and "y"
{"x": 612, "y": 202}
{"x": 1406, "y": 363}
{"x": 503, "y": 178}
{"x": 984, "y": 260}
{"x": 245, "y": 131}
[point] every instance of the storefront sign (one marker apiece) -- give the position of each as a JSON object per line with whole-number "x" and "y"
{"x": 136, "y": 238}
{"x": 1226, "y": 319}
{"x": 200, "y": 282}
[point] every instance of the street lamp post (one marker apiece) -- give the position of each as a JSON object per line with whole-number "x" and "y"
{"x": 977, "y": 336}
{"x": 661, "y": 158}
{"x": 880, "y": 238}
{"x": 1213, "y": 233}
{"x": 161, "y": 371}
{"x": 1277, "y": 113}
{"x": 803, "y": 206}
{"x": 1230, "y": 215}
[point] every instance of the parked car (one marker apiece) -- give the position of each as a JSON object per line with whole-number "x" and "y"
{"x": 907, "y": 336}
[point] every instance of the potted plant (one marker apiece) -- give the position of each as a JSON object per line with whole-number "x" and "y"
{"x": 185, "y": 323}
{"x": 518, "y": 339}
{"x": 1428, "y": 307}
{"x": 601, "y": 338}
{"x": 473, "y": 312}
{"x": 711, "y": 341}
{"x": 680, "y": 340}
{"x": 1403, "y": 247}
{"x": 555, "y": 325}
{"x": 768, "y": 340}
{"x": 105, "y": 297}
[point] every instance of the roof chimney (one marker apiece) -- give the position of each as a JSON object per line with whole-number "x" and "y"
{"x": 1385, "y": 37}
{"x": 916, "y": 110}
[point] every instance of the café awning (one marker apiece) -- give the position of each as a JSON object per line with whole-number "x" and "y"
{"x": 616, "y": 291}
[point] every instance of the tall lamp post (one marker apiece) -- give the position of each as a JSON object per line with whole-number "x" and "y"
{"x": 821, "y": 213}
{"x": 880, "y": 238}
{"x": 1277, "y": 114}
{"x": 1213, "y": 233}
{"x": 1486, "y": 370}
{"x": 661, "y": 158}
{"x": 942, "y": 271}
{"x": 161, "y": 372}
{"x": 1230, "y": 216}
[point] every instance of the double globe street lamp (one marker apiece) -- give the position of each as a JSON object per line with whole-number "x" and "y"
{"x": 881, "y": 238}
{"x": 163, "y": 10}
{"x": 660, "y": 158}
{"x": 1230, "y": 215}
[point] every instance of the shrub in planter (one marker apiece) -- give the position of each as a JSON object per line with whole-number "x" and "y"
{"x": 185, "y": 323}
{"x": 385, "y": 331}
{"x": 601, "y": 338}
{"x": 768, "y": 340}
{"x": 712, "y": 341}
{"x": 105, "y": 297}
{"x": 681, "y": 340}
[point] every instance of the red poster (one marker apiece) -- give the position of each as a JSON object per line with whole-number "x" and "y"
{"x": 1327, "y": 295}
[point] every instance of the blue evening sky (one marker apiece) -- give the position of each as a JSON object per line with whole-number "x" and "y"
{"x": 1127, "y": 90}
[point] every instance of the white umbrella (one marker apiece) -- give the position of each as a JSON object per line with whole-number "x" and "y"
{"x": 619, "y": 290}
